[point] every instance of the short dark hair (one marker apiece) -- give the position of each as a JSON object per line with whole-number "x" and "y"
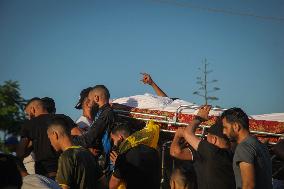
{"x": 186, "y": 175}
{"x": 32, "y": 100}
{"x": 217, "y": 129}
{"x": 103, "y": 89}
{"x": 236, "y": 115}
{"x": 62, "y": 122}
{"x": 49, "y": 105}
{"x": 122, "y": 128}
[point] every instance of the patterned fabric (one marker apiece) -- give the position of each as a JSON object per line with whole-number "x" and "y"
{"x": 148, "y": 136}
{"x": 255, "y": 125}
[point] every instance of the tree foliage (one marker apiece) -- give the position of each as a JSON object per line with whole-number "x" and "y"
{"x": 11, "y": 107}
{"x": 204, "y": 91}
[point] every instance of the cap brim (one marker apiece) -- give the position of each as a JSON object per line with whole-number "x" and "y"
{"x": 78, "y": 105}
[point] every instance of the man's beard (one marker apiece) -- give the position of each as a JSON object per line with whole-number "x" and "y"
{"x": 118, "y": 143}
{"x": 94, "y": 110}
{"x": 232, "y": 136}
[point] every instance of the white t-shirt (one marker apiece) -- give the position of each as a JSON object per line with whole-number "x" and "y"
{"x": 29, "y": 163}
{"x": 83, "y": 123}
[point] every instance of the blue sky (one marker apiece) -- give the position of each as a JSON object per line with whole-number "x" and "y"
{"x": 58, "y": 47}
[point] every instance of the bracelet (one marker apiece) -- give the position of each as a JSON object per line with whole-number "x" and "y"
{"x": 199, "y": 119}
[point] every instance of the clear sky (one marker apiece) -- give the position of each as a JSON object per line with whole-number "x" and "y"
{"x": 58, "y": 47}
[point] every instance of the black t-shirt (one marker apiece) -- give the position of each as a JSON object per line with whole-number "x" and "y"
{"x": 213, "y": 167}
{"x": 36, "y": 130}
{"x": 139, "y": 167}
{"x": 78, "y": 168}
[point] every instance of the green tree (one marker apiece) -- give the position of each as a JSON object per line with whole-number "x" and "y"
{"x": 11, "y": 107}
{"x": 203, "y": 81}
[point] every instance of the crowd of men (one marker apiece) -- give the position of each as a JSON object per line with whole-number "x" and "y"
{"x": 84, "y": 154}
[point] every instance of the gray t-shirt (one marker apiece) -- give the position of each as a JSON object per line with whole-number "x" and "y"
{"x": 253, "y": 152}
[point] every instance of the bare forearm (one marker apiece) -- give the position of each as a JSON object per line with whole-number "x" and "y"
{"x": 249, "y": 186}
{"x": 191, "y": 128}
{"x": 158, "y": 91}
{"x": 177, "y": 151}
{"x": 189, "y": 134}
{"x": 248, "y": 175}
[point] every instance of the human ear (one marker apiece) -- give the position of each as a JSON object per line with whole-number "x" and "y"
{"x": 97, "y": 98}
{"x": 33, "y": 110}
{"x": 214, "y": 139}
{"x": 120, "y": 137}
{"x": 56, "y": 135}
{"x": 236, "y": 127}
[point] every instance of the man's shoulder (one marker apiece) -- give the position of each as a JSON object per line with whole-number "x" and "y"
{"x": 43, "y": 117}
{"x": 39, "y": 120}
{"x": 107, "y": 109}
{"x": 250, "y": 143}
{"x": 204, "y": 145}
{"x": 142, "y": 150}
{"x": 107, "y": 113}
{"x": 74, "y": 152}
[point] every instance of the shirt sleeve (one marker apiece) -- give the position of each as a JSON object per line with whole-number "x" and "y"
{"x": 244, "y": 153}
{"x": 206, "y": 150}
{"x": 71, "y": 123}
{"x": 26, "y": 129}
{"x": 65, "y": 170}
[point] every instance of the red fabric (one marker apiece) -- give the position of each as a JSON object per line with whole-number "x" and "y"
{"x": 255, "y": 125}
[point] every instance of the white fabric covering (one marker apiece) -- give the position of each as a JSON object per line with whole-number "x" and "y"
{"x": 153, "y": 102}
{"x": 271, "y": 117}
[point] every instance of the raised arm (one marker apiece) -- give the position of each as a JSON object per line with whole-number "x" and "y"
{"x": 146, "y": 79}
{"x": 189, "y": 132}
{"x": 176, "y": 150}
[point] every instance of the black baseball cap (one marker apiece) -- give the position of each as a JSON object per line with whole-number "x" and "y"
{"x": 84, "y": 94}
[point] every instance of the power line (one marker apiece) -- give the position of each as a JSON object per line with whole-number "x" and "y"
{"x": 216, "y": 10}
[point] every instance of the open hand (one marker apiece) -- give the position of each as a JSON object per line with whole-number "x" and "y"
{"x": 204, "y": 111}
{"x": 146, "y": 79}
